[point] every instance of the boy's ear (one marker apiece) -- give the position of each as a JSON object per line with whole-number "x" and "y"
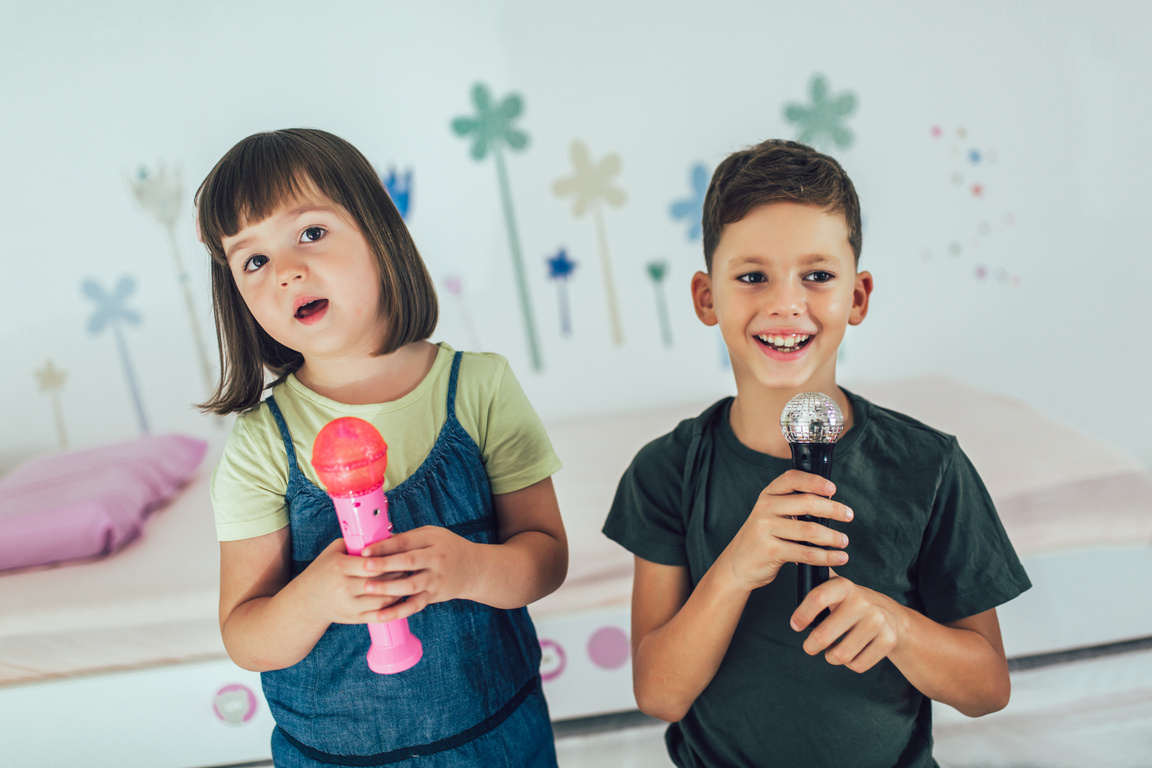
{"x": 860, "y": 295}
{"x": 702, "y": 298}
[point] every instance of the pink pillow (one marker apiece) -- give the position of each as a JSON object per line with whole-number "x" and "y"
{"x": 93, "y": 502}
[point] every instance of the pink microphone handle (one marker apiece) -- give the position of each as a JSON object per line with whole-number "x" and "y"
{"x": 364, "y": 521}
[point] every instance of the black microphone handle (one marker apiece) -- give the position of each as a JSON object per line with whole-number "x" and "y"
{"x": 815, "y": 458}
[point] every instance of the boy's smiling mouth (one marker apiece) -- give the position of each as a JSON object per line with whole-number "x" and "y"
{"x": 792, "y": 342}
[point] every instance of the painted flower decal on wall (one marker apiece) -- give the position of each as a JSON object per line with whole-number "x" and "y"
{"x": 591, "y": 184}
{"x": 560, "y": 269}
{"x": 823, "y": 118}
{"x": 51, "y": 380}
{"x": 691, "y": 208}
{"x": 658, "y": 271}
{"x": 159, "y": 192}
{"x": 491, "y": 129}
{"x": 399, "y": 189}
{"x": 113, "y": 312}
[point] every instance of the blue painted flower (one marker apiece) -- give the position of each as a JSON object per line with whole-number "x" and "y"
{"x": 560, "y": 267}
{"x": 112, "y": 312}
{"x": 975, "y": 157}
{"x": 399, "y": 189}
{"x": 692, "y": 208}
{"x": 824, "y": 116}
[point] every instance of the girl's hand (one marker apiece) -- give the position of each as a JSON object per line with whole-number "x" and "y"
{"x": 772, "y": 536}
{"x": 339, "y": 588}
{"x": 862, "y": 629}
{"x": 420, "y": 567}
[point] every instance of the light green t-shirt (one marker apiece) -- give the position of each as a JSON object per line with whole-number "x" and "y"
{"x": 251, "y": 478}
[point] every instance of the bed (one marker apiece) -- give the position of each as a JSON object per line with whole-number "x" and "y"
{"x": 121, "y": 657}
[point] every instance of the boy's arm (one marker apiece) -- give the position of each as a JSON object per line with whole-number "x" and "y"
{"x": 960, "y": 663}
{"x": 529, "y": 562}
{"x": 680, "y": 634}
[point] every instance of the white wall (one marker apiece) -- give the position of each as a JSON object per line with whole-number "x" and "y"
{"x": 1052, "y": 95}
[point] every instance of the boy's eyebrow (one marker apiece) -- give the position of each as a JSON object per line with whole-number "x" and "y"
{"x": 809, "y": 260}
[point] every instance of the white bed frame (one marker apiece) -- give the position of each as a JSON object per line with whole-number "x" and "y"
{"x": 193, "y": 708}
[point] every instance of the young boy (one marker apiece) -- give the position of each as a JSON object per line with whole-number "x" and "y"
{"x": 918, "y": 555}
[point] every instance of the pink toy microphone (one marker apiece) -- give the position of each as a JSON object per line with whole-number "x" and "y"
{"x": 350, "y": 456}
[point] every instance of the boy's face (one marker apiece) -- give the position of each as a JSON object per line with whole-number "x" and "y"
{"x": 783, "y": 289}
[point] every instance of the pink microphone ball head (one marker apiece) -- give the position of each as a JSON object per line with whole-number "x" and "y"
{"x": 349, "y": 455}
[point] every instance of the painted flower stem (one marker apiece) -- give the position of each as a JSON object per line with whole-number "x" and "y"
{"x": 130, "y": 376}
{"x": 190, "y": 307}
{"x": 609, "y": 283}
{"x": 662, "y": 313}
{"x": 518, "y": 263}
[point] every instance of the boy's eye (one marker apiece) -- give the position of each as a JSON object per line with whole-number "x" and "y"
{"x": 253, "y": 263}
{"x": 819, "y": 276}
{"x": 752, "y": 277}
{"x": 312, "y": 234}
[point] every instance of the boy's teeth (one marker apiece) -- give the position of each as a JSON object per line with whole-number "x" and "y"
{"x": 785, "y": 342}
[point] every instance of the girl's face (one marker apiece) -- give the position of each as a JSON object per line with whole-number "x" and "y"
{"x": 310, "y": 279}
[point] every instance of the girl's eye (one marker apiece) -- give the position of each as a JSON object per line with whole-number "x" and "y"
{"x": 819, "y": 276}
{"x": 752, "y": 277}
{"x": 312, "y": 234}
{"x": 254, "y": 263}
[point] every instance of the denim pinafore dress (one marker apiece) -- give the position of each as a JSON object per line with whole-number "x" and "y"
{"x": 473, "y": 699}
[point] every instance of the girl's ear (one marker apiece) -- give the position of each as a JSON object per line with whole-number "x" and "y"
{"x": 702, "y": 298}
{"x": 860, "y": 294}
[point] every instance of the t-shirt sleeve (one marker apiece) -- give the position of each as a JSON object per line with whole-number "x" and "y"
{"x": 513, "y": 442}
{"x": 247, "y": 487}
{"x": 967, "y": 563}
{"x": 646, "y": 517}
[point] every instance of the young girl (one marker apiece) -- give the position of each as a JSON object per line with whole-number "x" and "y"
{"x": 316, "y": 280}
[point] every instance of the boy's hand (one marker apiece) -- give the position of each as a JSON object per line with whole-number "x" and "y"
{"x": 425, "y": 565}
{"x": 862, "y": 629}
{"x": 340, "y": 588}
{"x": 772, "y": 536}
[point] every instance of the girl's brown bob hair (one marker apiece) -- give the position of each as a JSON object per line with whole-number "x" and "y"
{"x": 248, "y": 185}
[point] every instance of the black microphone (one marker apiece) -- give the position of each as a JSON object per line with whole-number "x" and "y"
{"x": 812, "y": 423}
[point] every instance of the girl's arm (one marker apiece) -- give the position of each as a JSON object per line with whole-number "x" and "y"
{"x": 961, "y": 663}
{"x": 529, "y": 562}
{"x": 270, "y": 621}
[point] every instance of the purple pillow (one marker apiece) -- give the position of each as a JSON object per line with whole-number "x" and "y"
{"x": 88, "y": 503}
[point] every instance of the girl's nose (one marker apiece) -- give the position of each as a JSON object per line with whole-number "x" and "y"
{"x": 290, "y": 270}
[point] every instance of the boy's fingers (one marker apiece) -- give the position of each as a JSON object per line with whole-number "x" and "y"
{"x": 795, "y": 481}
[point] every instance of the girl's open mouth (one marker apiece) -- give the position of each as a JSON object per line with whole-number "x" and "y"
{"x": 793, "y": 342}
{"x": 311, "y": 310}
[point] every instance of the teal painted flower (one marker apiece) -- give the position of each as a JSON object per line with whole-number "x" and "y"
{"x": 658, "y": 271}
{"x": 823, "y": 118}
{"x": 491, "y": 130}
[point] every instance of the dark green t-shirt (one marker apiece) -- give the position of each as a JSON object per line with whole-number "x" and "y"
{"x": 925, "y": 533}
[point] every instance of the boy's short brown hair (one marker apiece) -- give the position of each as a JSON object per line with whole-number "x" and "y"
{"x": 248, "y": 184}
{"x": 777, "y": 171}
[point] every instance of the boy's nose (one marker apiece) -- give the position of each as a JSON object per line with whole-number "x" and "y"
{"x": 785, "y": 300}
